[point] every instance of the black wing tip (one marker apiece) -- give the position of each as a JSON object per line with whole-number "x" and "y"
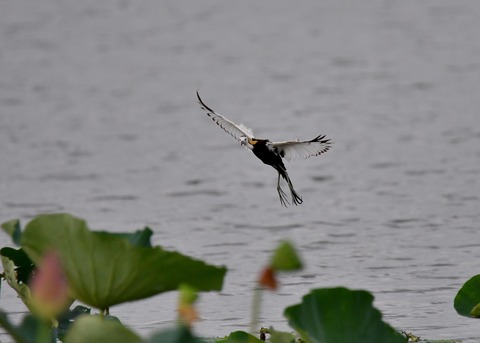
{"x": 321, "y": 139}
{"x": 198, "y": 97}
{"x": 200, "y": 101}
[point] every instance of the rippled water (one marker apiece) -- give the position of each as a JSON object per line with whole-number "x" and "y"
{"x": 98, "y": 118}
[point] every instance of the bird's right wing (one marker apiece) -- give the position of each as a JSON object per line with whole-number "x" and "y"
{"x": 292, "y": 150}
{"x": 237, "y": 131}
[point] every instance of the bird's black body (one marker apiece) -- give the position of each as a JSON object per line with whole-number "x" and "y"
{"x": 272, "y": 153}
{"x": 270, "y": 156}
{"x": 266, "y": 154}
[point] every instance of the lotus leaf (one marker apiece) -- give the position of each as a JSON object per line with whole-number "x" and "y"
{"x": 467, "y": 299}
{"x": 179, "y": 334}
{"x": 87, "y": 329}
{"x": 23, "y": 265}
{"x": 339, "y": 315}
{"x": 10, "y": 275}
{"x": 286, "y": 258}
{"x": 30, "y": 330}
{"x": 104, "y": 270}
{"x": 139, "y": 238}
{"x": 12, "y": 228}
{"x": 240, "y": 337}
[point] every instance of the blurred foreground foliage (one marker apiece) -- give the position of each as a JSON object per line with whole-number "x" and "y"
{"x": 102, "y": 269}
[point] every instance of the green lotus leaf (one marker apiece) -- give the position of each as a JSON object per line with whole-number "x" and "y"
{"x": 139, "y": 238}
{"x": 179, "y": 334}
{"x": 23, "y": 265}
{"x": 285, "y": 258}
{"x": 240, "y": 337}
{"x": 339, "y": 315}
{"x": 475, "y": 312}
{"x": 13, "y": 229}
{"x": 30, "y": 330}
{"x": 10, "y": 274}
{"x": 66, "y": 320}
{"x": 281, "y": 337}
{"x": 88, "y": 329}
{"x": 188, "y": 295}
{"x": 104, "y": 270}
{"x": 467, "y": 299}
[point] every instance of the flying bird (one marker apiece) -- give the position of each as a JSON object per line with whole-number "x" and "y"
{"x": 272, "y": 153}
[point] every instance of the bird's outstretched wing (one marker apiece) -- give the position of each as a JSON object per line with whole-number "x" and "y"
{"x": 237, "y": 131}
{"x": 292, "y": 150}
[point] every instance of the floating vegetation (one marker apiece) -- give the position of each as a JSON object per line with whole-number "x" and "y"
{"x": 59, "y": 260}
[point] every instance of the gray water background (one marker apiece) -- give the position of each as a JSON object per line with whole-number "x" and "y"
{"x": 98, "y": 118}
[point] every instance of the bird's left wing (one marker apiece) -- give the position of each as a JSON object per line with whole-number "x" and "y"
{"x": 291, "y": 150}
{"x": 237, "y": 131}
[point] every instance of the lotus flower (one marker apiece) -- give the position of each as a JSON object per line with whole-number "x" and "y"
{"x": 49, "y": 288}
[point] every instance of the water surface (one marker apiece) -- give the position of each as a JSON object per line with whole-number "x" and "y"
{"x": 98, "y": 118}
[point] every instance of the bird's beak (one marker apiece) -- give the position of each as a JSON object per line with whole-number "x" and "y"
{"x": 245, "y": 142}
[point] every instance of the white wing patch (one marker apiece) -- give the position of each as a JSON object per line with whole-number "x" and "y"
{"x": 294, "y": 150}
{"x": 237, "y": 131}
{"x": 248, "y": 131}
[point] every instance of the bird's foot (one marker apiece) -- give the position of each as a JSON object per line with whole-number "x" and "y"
{"x": 283, "y": 197}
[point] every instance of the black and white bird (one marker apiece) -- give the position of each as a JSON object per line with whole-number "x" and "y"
{"x": 271, "y": 153}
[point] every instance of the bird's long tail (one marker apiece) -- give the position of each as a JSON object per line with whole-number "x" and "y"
{"x": 296, "y": 199}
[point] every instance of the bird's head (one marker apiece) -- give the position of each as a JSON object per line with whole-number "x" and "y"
{"x": 247, "y": 142}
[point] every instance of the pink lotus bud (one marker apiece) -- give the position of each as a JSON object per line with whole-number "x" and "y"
{"x": 268, "y": 279}
{"x": 49, "y": 287}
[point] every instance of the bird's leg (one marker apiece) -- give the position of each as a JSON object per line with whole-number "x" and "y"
{"x": 281, "y": 193}
{"x": 296, "y": 199}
